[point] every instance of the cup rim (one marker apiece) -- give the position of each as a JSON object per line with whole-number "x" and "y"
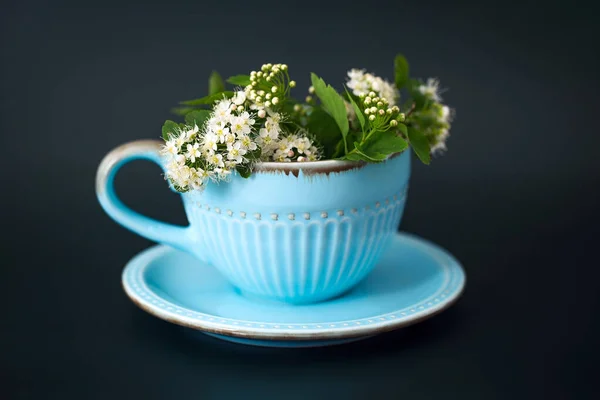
{"x": 308, "y": 167}
{"x": 313, "y": 167}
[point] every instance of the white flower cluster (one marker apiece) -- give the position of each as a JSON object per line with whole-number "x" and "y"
{"x": 295, "y": 147}
{"x": 431, "y": 89}
{"x": 234, "y": 136}
{"x": 444, "y": 119}
{"x": 362, "y": 83}
{"x": 196, "y": 156}
{"x": 435, "y": 122}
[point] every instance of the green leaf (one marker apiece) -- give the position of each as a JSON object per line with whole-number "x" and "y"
{"x": 182, "y": 110}
{"x": 254, "y": 155}
{"x": 325, "y": 129}
{"x": 215, "y": 83}
{"x": 333, "y": 103}
{"x": 340, "y": 148}
{"x": 169, "y": 129}
{"x": 403, "y": 128}
{"x": 197, "y": 117}
{"x": 239, "y": 80}
{"x": 244, "y": 170}
{"x": 401, "y": 71}
{"x": 420, "y": 145}
{"x": 359, "y": 114}
{"x": 208, "y": 100}
{"x": 383, "y": 143}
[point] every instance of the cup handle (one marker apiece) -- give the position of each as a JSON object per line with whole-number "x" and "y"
{"x": 178, "y": 237}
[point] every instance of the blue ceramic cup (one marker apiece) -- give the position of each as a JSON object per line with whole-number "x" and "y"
{"x": 296, "y": 232}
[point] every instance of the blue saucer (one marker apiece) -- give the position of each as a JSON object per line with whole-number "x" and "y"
{"x": 413, "y": 281}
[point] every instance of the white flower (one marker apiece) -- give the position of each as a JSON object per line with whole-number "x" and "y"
{"x": 239, "y": 98}
{"x": 180, "y": 158}
{"x": 272, "y": 125}
{"x": 203, "y": 174}
{"x": 236, "y": 152}
{"x": 431, "y": 89}
{"x": 170, "y": 148}
{"x": 358, "y": 82}
{"x": 445, "y": 114}
{"x": 363, "y": 83}
{"x": 440, "y": 145}
{"x": 183, "y": 176}
{"x": 190, "y": 134}
{"x": 210, "y": 142}
{"x": 229, "y": 139}
{"x": 193, "y": 152}
{"x": 246, "y": 118}
{"x": 223, "y": 110}
{"x": 247, "y": 142}
{"x": 197, "y": 184}
{"x": 222, "y": 173}
{"x": 172, "y": 169}
{"x": 180, "y": 141}
{"x": 221, "y": 132}
{"x": 216, "y": 159}
{"x": 242, "y": 125}
{"x": 302, "y": 144}
{"x": 272, "y": 134}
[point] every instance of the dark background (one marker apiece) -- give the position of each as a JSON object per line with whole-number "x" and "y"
{"x": 515, "y": 198}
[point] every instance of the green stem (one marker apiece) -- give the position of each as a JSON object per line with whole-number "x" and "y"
{"x": 364, "y": 139}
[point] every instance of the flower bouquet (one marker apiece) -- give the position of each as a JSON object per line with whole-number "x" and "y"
{"x": 230, "y": 131}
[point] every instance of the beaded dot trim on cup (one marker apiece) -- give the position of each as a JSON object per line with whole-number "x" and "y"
{"x": 307, "y": 216}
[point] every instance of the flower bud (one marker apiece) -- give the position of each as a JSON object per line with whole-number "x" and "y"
{"x": 262, "y": 113}
{"x": 275, "y": 100}
{"x": 274, "y": 89}
{"x": 290, "y": 153}
{"x": 367, "y": 100}
{"x": 393, "y": 123}
{"x": 381, "y": 112}
{"x": 372, "y": 117}
{"x": 402, "y": 117}
{"x": 372, "y": 94}
{"x": 308, "y": 99}
{"x": 311, "y": 89}
{"x": 283, "y": 67}
{"x": 292, "y": 84}
{"x": 267, "y": 103}
{"x": 297, "y": 107}
{"x": 268, "y": 96}
{"x": 380, "y": 104}
{"x": 258, "y": 99}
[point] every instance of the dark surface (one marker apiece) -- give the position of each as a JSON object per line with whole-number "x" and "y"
{"x": 515, "y": 199}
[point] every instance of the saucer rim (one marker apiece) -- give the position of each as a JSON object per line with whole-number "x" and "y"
{"x": 245, "y": 332}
